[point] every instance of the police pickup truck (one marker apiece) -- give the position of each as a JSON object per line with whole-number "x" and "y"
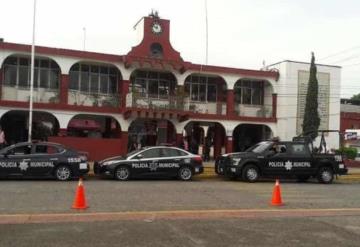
{"x": 296, "y": 159}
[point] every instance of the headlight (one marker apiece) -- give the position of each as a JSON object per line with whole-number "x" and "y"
{"x": 236, "y": 161}
{"x": 110, "y": 162}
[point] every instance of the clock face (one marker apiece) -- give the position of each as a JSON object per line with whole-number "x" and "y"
{"x": 156, "y": 28}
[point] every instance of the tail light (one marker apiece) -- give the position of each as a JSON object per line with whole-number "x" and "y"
{"x": 198, "y": 159}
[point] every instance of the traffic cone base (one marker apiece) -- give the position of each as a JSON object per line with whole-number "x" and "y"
{"x": 79, "y": 200}
{"x": 276, "y": 197}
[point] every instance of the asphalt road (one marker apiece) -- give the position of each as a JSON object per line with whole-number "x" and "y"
{"x": 313, "y": 215}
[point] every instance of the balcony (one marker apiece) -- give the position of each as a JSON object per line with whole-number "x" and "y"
{"x": 79, "y": 98}
{"x": 40, "y": 95}
{"x": 260, "y": 111}
{"x": 175, "y": 103}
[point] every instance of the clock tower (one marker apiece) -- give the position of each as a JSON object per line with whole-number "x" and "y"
{"x": 155, "y": 43}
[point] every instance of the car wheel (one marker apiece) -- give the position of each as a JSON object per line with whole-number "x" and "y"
{"x": 250, "y": 173}
{"x": 325, "y": 175}
{"x": 122, "y": 173}
{"x": 302, "y": 178}
{"x": 185, "y": 173}
{"x": 63, "y": 173}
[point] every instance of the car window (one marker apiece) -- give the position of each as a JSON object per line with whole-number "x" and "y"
{"x": 151, "y": 153}
{"x": 47, "y": 149}
{"x": 298, "y": 148}
{"x": 21, "y": 150}
{"x": 170, "y": 152}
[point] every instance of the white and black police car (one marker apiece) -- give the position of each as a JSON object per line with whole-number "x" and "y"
{"x": 159, "y": 161}
{"x": 42, "y": 159}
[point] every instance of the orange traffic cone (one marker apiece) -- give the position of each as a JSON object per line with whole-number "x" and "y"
{"x": 80, "y": 201}
{"x": 276, "y": 197}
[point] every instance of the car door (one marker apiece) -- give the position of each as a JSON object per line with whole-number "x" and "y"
{"x": 17, "y": 161}
{"x": 275, "y": 163}
{"x": 170, "y": 161}
{"x": 146, "y": 163}
{"x": 300, "y": 163}
{"x": 43, "y": 159}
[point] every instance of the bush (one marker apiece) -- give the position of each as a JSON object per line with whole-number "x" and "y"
{"x": 349, "y": 152}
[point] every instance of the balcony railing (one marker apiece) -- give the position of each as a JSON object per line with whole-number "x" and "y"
{"x": 175, "y": 103}
{"x": 263, "y": 111}
{"x": 42, "y": 95}
{"x": 76, "y": 97}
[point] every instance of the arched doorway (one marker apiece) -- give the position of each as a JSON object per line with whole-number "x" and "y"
{"x": 93, "y": 126}
{"x": 150, "y": 132}
{"x": 15, "y": 124}
{"x": 205, "y": 138}
{"x": 246, "y": 135}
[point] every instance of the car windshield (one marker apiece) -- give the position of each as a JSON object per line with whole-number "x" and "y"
{"x": 259, "y": 148}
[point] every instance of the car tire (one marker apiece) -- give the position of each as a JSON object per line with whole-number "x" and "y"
{"x": 63, "y": 173}
{"x": 302, "y": 178}
{"x": 250, "y": 173}
{"x": 122, "y": 173}
{"x": 325, "y": 175}
{"x": 185, "y": 173}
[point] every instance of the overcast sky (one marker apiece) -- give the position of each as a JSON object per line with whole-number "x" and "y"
{"x": 242, "y": 33}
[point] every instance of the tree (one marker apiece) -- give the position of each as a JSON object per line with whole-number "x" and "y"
{"x": 356, "y": 97}
{"x": 311, "y": 116}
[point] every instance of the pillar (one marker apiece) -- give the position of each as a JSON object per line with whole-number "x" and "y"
{"x": 124, "y": 85}
{"x": 64, "y": 86}
{"x": 62, "y": 132}
{"x": 1, "y": 81}
{"x": 229, "y": 144}
{"x": 217, "y": 141}
{"x": 179, "y": 140}
{"x": 230, "y": 102}
{"x": 124, "y": 141}
{"x": 274, "y": 105}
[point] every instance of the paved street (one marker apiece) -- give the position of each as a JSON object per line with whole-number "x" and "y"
{"x": 204, "y": 212}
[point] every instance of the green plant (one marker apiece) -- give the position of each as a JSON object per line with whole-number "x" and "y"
{"x": 349, "y": 152}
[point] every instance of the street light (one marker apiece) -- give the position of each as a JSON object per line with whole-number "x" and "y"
{"x": 32, "y": 76}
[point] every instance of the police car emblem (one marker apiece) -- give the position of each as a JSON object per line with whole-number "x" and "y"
{"x": 153, "y": 166}
{"x": 288, "y": 165}
{"x": 23, "y": 165}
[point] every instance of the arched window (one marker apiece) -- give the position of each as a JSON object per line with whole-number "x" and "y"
{"x": 152, "y": 84}
{"x": 202, "y": 88}
{"x": 249, "y": 92}
{"x": 97, "y": 79}
{"x": 17, "y": 72}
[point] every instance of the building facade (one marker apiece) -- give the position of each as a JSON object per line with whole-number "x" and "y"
{"x": 110, "y": 104}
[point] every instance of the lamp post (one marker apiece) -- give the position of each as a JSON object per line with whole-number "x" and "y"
{"x": 32, "y": 76}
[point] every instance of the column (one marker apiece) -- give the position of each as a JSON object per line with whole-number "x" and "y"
{"x": 64, "y": 86}
{"x": 274, "y": 105}
{"x": 229, "y": 144}
{"x": 179, "y": 140}
{"x": 124, "y": 85}
{"x": 217, "y": 141}
{"x": 230, "y": 103}
{"x": 1, "y": 82}
{"x": 124, "y": 141}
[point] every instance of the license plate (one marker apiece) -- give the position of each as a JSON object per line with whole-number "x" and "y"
{"x": 233, "y": 170}
{"x": 197, "y": 169}
{"x": 341, "y": 166}
{"x": 83, "y": 166}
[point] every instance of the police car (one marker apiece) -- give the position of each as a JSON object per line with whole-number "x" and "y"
{"x": 296, "y": 159}
{"x": 152, "y": 162}
{"x": 42, "y": 159}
